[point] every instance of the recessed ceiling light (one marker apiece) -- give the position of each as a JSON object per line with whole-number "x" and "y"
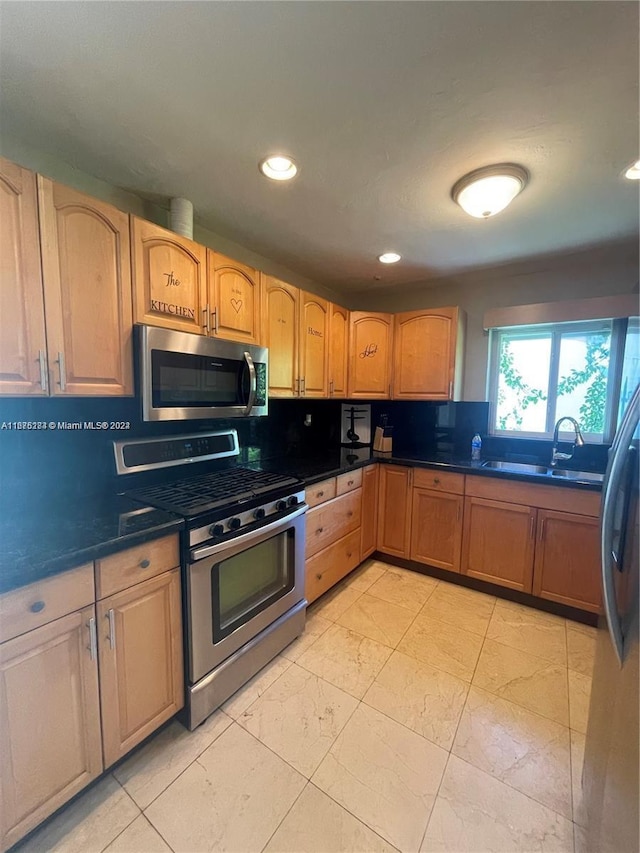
{"x": 278, "y": 167}
{"x": 633, "y": 172}
{"x": 389, "y": 258}
{"x": 489, "y": 190}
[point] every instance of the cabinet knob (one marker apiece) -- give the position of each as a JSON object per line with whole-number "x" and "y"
{"x": 318, "y": 577}
{"x": 37, "y": 607}
{"x": 320, "y": 530}
{"x": 349, "y": 482}
{"x": 320, "y": 494}
{"x": 144, "y": 564}
{"x": 436, "y": 480}
{"x": 349, "y": 514}
{"x": 348, "y": 553}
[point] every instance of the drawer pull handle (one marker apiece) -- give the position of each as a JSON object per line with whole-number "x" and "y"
{"x": 144, "y": 564}
{"x": 37, "y": 607}
{"x": 320, "y": 494}
{"x": 436, "y": 480}
{"x": 93, "y": 639}
{"x": 318, "y": 577}
{"x": 349, "y": 514}
{"x": 349, "y": 482}
{"x": 111, "y": 636}
{"x": 320, "y": 530}
{"x": 348, "y": 553}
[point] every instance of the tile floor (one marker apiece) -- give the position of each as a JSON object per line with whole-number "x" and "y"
{"x": 412, "y": 715}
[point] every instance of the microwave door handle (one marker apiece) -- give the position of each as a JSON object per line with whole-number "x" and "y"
{"x": 253, "y": 383}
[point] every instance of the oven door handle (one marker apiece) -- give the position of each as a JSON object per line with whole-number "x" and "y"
{"x": 253, "y": 383}
{"x": 247, "y": 538}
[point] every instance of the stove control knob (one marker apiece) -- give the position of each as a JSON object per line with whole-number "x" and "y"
{"x": 281, "y": 505}
{"x": 293, "y": 501}
{"x": 216, "y": 529}
{"x": 259, "y": 513}
{"x": 234, "y": 523}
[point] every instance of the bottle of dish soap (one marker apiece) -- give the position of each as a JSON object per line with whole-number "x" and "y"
{"x": 476, "y": 447}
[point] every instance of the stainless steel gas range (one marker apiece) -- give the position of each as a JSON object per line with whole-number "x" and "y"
{"x": 242, "y": 555}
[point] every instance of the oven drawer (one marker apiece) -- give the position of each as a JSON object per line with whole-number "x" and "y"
{"x": 330, "y": 521}
{"x": 349, "y": 481}
{"x": 126, "y": 568}
{"x": 319, "y": 493}
{"x": 331, "y": 564}
{"x": 31, "y": 606}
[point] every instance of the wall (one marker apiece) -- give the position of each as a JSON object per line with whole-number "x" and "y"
{"x": 603, "y": 271}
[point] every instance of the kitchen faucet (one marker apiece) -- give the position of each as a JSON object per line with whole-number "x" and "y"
{"x": 578, "y": 441}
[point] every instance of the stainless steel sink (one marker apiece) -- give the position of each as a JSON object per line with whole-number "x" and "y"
{"x": 584, "y": 476}
{"x": 544, "y": 470}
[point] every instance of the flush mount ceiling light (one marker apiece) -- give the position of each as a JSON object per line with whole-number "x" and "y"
{"x": 389, "y": 258}
{"x": 489, "y": 190}
{"x": 278, "y": 167}
{"x": 633, "y": 172}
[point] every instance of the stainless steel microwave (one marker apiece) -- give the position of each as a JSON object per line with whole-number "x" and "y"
{"x": 181, "y": 376}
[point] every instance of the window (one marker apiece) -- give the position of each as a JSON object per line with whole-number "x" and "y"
{"x": 541, "y": 373}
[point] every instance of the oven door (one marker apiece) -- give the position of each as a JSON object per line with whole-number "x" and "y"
{"x": 238, "y": 588}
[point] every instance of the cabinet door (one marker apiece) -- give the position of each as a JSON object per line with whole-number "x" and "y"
{"x": 425, "y": 354}
{"x": 369, "y": 523}
{"x": 314, "y": 345}
{"x": 49, "y": 721}
{"x": 23, "y": 356}
{"x": 86, "y": 269}
{"x": 394, "y": 510}
{"x": 567, "y": 561}
{"x": 281, "y": 333}
{"x": 436, "y": 529}
{"x": 234, "y": 298}
{"x": 140, "y": 645}
{"x": 338, "y": 351}
{"x": 498, "y": 540}
{"x": 169, "y": 279}
{"x": 370, "y": 337}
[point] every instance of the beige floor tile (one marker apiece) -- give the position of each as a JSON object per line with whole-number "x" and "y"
{"x": 529, "y": 752}
{"x": 581, "y": 649}
{"x": 463, "y": 608}
{"x": 317, "y": 824}
{"x": 385, "y": 775}
{"x": 475, "y": 813}
{"x": 335, "y": 602}
{"x": 403, "y": 587}
{"x": 423, "y": 698}
{"x": 588, "y": 630}
{"x": 249, "y": 692}
{"x": 441, "y": 645}
{"x": 88, "y": 824}
{"x": 314, "y": 627}
{"x": 346, "y": 659}
{"x": 579, "y": 696}
{"x": 231, "y": 798}
{"x": 577, "y": 760}
{"x": 139, "y": 837}
{"x": 377, "y": 619}
{"x": 154, "y": 767}
{"x": 299, "y": 717}
{"x": 533, "y": 682}
{"x": 365, "y": 575}
{"x": 580, "y": 842}
{"x": 530, "y": 631}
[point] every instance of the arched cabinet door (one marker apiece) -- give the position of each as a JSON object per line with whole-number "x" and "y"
{"x": 314, "y": 346}
{"x": 338, "y": 351}
{"x": 86, "y": 270}
{"x": 280, "y": 307}
{"x": 427, "y": 363}
{"x": 23, "y": 357}
{"x": 370, "y": 355}
{"x": 169, "y": 279}
{"x": 234, "y": 296}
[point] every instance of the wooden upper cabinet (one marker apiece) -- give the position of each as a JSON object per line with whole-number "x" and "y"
{"x": 314, "y": 346}
{"x": 234, "y": 299}
{"x": 280, "y": 323}
{"x": 23, "y": 357}
{"x": 338, "y": 350}
{"x": 370, "y": 339}
{"x": 86, "y": 269}
{"x": 169, "y": 278}
{"x": 427, "y": 361}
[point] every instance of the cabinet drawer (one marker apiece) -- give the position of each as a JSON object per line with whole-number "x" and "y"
{"x": 440, "y": 481}
{"x": 27, "y": 608}
{"x": 349, "y": 481}
{"x": 122, "y": 570}
{"x": 321, "y": 492}
{"x": 331, "y": 564}
{"x": 330, "y": 521}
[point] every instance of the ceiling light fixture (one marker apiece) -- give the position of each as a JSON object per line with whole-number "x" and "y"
{"x": 278, "y": 167}
{"x": 633, "y": 172}
{"x": 489, "y": 190}
{"x": 389, "y": 258}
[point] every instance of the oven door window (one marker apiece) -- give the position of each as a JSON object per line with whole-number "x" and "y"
{"x": 247, "y": 583}
{"x": 186, "y": 381}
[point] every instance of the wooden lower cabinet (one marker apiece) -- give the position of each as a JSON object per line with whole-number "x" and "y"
{"x": 498, "y": 542}
{"x": 141, "y": 676}
{"x": 369, "y": 525}
{"x": 394, "y": 510}
{"x": 49, "y": 721}
{"x": 567, "y": 560}
{"x": 436, "y": 529}
{"x": 330, "y": 565}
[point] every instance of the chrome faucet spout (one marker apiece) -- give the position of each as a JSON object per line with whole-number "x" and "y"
{"x": 578, "y": 441}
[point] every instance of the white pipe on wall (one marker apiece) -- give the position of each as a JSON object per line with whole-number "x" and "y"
{"x": 182, "y": 217}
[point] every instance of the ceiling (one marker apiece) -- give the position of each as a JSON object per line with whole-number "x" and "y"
{"x": 384, "y": 105}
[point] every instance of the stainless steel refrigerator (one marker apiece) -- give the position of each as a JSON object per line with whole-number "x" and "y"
{"x": 610, "y": 774}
